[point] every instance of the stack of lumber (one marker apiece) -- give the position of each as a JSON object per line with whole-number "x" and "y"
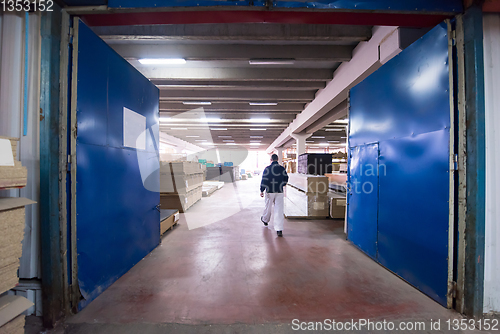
{"x": 206, "y": 191}
{"x": 12, "y": 173}
{"x": 11, "y": 238}
{"x": 11, "y": 317}
{"x": 306, "y": 196}
{"x": 180, "y": 184}
{"x": 209, "y": 187}
{"x": 223, "y": 174}
{"x": 12, "y": 222}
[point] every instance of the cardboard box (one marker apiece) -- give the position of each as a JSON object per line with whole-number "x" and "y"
{"x": 314, "y": 184}
{"x": 171, "y": 217}
{"x": 337, "y": 203}
{"x": 300, "y": 204}
{"x": 11, "y": 236}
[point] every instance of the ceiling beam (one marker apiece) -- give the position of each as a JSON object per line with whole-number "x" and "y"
{"x": 233, "y": 74}
{"x": 340, "y": 111}
{"x": 209, "y": 52}
{"x": 237, "y": 32}
{"x": 227, "y": 95}
{"x": 236, "y": 85}
{"x": 219, "y": 106}
{"x": 366, "y": 60}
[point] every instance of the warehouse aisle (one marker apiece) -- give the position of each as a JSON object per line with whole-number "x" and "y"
{"x": 236, "y": 271}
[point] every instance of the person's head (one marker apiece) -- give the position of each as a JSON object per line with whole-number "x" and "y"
{"x": 274, "y": 157}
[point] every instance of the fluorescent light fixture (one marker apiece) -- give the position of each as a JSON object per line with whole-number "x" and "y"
{"x": 271, "y": 61}
{"x": 230, "y": 144}
{"x": 308, "y": 141}
{"x": 343, "y": 137}
{"x": 260, "y": 120}
{"x": 256, "y": 136}
{"x": 200, "y": 140}
{"x": 263, "y": 103}
{"x": 162, "y": 61}
{"x": 178, "y": 128}
{"x": 324, "y": 144}
{"x": 218, "y": 129}
{"x": 343, "y": 121}
{"x": 336, "y": 129}
{"x": 256, "y": 144}
{"x": 225, "y": 136}
{"x": 255, "y": 141}
{"x": 197, "y": 103}
{"x": 258, "y": 129}
{"x": 228, "y": 141}
{"x": 334, "y": 141}
{"x": 317, "y": 137}
{"x": 192, "y": 136}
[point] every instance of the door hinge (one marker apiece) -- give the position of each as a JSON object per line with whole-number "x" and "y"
{"x": 68, "y": 165}
{"x": 455, "y": 162}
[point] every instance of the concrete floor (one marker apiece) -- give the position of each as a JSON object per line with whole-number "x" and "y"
{"x": 232, "y": 274}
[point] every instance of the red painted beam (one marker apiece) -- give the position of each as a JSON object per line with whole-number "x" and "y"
{"x": 275, "y": 16}
{"x": 491, "y": 6}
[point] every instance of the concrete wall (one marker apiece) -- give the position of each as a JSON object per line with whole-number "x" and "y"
{"x": 492, "y": 98}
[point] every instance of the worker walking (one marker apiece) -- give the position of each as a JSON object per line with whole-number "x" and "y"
{"x": 274, "y": 179}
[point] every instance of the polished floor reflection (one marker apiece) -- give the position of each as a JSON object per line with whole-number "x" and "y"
{"x": 236, "y": 271}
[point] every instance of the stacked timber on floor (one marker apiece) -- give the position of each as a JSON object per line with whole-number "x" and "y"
{"x": 12, "y": 222}
{"x": 223, "y": 173}
{"x": 306, "y": 196}
{"x": 12, "y": 173}
{"x": 209, "y": 187}
{"x": 180, "y": 184}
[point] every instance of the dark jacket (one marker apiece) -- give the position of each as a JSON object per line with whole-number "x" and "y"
{"x": 274, "y": 178}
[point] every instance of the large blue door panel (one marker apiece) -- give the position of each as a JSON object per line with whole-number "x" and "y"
{"x": 117, "y": 187}
{"x": 362, "y": 198}
{"x": 407, "y": 96}
{"x": 413, "y": 210}
{"x": 404, "y": 106}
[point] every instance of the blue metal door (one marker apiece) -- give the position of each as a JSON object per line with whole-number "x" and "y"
{"x": 362, "y": 197}
{"x": 115, "y": 147}
{"x": 405, "y": 107}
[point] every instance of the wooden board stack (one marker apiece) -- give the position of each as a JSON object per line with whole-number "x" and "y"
{"x": 12, "y": 222}
{"x": 180, "y": 184}
{"x": 13, "y": 176}
{"x": 11, "y": 317}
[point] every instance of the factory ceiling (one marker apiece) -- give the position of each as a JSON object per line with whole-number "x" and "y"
{"x": 246, "y": 81}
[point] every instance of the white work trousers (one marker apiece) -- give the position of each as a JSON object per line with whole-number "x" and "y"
{"x": 276, "y": 200}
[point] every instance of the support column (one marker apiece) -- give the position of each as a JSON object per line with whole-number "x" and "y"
{"x": 279, "y": 152}
{"x": 300, "y": 139}
{"x": 476, "y": 162}
{"x": 51, "y": 257}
